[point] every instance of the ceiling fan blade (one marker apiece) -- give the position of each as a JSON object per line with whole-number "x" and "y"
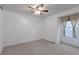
{"x": 44, "y": 10}
{"x": 33, "y": 11}
{"x": 30, "y": 7}
{"x": 42, "y": 5}
{"x": 1, "y": 7}
{"x": 37, "y": 7}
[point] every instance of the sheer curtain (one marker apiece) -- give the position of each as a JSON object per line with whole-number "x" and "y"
{"x": 68, "y": 29}
{"x": 73, "y": 19}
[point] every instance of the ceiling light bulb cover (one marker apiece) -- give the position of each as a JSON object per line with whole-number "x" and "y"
{"x": 37, "y": 12}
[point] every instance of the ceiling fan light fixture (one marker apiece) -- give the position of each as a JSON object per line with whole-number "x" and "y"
{"x": 38, "y": 9}
{"x": 37, "y": 12}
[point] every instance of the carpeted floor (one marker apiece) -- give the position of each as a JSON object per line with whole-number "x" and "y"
{"x": 40, "y": 47}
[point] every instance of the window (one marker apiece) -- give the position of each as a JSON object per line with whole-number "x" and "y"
{"x": 68, "y": 30}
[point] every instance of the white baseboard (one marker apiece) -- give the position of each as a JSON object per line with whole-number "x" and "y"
{"x": 10, "y": 44}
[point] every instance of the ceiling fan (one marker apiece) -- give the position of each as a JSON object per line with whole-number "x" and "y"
{"x": 38, "y": 8}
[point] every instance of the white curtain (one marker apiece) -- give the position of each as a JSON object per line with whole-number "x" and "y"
{"x": 74, "y": 20}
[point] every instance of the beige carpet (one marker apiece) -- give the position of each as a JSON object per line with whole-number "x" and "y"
{"x": 40, "y": 47}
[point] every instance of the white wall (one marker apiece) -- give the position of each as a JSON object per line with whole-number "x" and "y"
{"x": 50, "y": 29}
{"x": 52, "y": 32}
{"x": 20, "y": 28}
{"x": 1, "y": 31}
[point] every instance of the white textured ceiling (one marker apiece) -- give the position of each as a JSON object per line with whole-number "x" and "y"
{"x": 52, "y": 8}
